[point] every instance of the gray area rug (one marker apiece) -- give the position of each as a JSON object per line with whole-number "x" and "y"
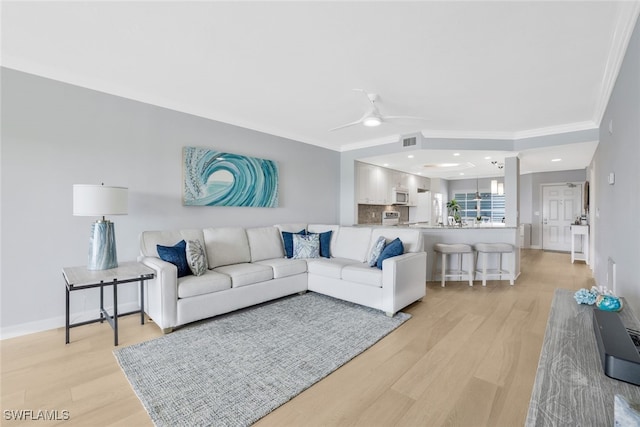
{"x": 236, "y": 368}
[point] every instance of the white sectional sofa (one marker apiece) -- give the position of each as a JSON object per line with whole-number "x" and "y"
{"x": 248, "y": 267}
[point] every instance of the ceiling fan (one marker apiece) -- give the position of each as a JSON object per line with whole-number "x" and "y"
{"x": 373, "y": 117}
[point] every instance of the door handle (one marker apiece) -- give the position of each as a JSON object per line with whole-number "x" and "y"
{"x": 544, "y": 221}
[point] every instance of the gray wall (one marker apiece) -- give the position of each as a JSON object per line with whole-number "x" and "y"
{"x": 615, "y": 211}
{"x": 55, "y": 135}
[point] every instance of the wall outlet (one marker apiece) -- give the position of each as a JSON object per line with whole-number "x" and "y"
{"x": 373, "y": 214}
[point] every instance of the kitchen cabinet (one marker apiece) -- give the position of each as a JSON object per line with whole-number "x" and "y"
{"x": 412, "y": 186}
{"x": 372, "y": 185}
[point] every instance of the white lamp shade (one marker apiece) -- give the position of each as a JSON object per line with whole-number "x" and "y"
{"x": 99, "y": 200}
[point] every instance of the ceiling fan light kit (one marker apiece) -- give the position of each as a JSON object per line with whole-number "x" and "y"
{"x": 372, "y": 121}
{"x": 372, "y": 117}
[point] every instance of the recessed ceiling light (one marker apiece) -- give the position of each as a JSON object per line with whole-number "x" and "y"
{"x": 410, "y": 156}
{"x": 456, "y": 154}
{"x": 487, "y": 158}
{"x": 461, "y": 173}
{"x": 385, "y": 164}
{"x": 419, "y": 173}
{"x": 448, "y": 165}
{"x": 556, "y": 160}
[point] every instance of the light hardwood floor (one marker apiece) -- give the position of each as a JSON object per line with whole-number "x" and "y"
{"x": 468, "y": 357}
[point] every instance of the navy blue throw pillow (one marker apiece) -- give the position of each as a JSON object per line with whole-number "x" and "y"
{"x": 325, "y": 244}
{"x": 394, "y": 248}
{"x": 287, "y": 239}
{"x": 176, "y": 255}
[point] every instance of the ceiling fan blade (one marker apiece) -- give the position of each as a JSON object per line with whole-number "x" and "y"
{"x": 405, "y": 117}
{"x": 357, "y": 122}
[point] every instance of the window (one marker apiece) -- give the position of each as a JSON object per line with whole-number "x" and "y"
{"x": 492, "y": 206}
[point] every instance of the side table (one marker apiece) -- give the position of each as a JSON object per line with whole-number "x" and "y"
{"x": 581, "y": 231}
{"x": 79, "y": 278}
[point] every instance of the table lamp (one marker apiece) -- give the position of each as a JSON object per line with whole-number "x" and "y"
{"x": 100, "y": 200}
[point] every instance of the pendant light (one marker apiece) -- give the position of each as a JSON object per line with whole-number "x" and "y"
{"x": 477, "y": 192}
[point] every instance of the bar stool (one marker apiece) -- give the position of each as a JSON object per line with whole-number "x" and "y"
{"x": 459, "y": 249}
{"x": 484, "y": 250}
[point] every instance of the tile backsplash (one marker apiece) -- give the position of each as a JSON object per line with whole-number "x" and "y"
{"x": 372, "y": 214}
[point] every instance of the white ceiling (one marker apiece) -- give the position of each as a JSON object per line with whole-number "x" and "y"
{"x": 482, "y": 69}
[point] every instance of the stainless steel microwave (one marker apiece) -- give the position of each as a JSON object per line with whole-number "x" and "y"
{"x": 399, "y": 196}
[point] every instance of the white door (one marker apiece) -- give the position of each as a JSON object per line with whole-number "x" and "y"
{"x": 561, "y": 204}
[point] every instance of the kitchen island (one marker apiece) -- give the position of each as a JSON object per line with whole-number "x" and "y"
{"x": 481, "y": 233}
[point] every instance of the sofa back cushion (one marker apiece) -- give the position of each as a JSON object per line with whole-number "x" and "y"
{"x": 149, "y": 240}
{"x": 411, "y": 239}
{"x": 265, "y": 243}
{"x": 292, "y": 227}
{"x": 352, "y": 243}
{"x": 226, "y": 245}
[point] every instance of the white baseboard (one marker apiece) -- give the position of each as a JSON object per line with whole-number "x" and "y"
{"x": 58, "y": 321}
{"x": 534, "y": 247}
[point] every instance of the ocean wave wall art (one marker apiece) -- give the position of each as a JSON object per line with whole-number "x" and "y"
{"x": 215, "y": 178}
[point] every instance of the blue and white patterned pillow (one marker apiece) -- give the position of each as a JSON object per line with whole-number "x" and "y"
{"x": 376, "y": 250}
{"x": 306, "y": 246}
{"x": 196, "y": 257}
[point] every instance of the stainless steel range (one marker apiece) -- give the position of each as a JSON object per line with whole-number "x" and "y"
{"x": 390, "y": 218}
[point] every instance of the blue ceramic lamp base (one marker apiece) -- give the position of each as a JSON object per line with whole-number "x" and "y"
{"x": 102, "y": 246}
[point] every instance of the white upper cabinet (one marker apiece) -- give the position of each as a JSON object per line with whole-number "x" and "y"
{"x": 374, "y": 184}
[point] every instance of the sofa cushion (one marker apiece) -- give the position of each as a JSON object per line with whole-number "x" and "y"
{"x": 394, "y": 248}
{"x": 176, "y": 255}
{"x": 196, "y": 258}
{"x": 325, "y": 243}
{"x": 376, "y": 250}
{"x": 207, "y": 283}
{"x": 246, "y": 274}
{"x": 412, "y": 240}
{"x": 226, "y": 245}
{"x": 306, "y": 246}
{"x": 362, "y": 273}
{"x": 287, "y": 240}
{"x": 328, "y": 267}
{"x": 284, "y": 267}
{"x": 264, "y": 243}
{"x": 352, "y": 243}
{"x": 291, "y": 228}
{"x": 323, "y": 228}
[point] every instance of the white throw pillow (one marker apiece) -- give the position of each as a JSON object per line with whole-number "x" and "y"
{"x": 306, "y": 246}
{"x": 196, "y": 257}
{"x": 376, "y": 250}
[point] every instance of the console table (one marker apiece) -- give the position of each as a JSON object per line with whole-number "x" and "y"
{"x": 571, "y": 388}
{"x": 79, "y": 278}
{"x": 581, "y": 231}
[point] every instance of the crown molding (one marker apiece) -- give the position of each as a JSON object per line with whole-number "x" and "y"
{"x": 480, "y": 135}
{"x": 555, "y": 130}
{"x": 619, "y": 44}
